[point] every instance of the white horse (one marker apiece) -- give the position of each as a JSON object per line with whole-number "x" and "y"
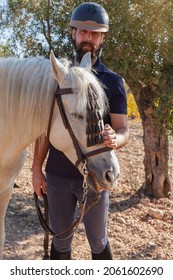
{"x": 27, "y": 87}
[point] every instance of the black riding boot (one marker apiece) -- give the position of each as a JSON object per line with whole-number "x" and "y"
{"x": 55, "y": 255}
{"x": 104, "y": 255}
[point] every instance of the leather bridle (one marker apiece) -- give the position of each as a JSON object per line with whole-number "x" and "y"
{"x": 81, "y": 157}
{"x": 81, "y": 160}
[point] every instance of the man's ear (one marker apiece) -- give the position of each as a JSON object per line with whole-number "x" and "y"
{"x": 73, "y": 33}
{"x": 102, "y": 37}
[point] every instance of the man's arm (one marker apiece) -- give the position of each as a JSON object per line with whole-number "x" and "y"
{"x": 38, "y": 178}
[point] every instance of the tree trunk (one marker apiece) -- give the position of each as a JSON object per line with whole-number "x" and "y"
{"x": 156, "y": 160}
{"x": 156, "y": 150}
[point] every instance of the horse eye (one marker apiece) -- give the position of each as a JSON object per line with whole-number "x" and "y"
{"x": 76, "y": 116}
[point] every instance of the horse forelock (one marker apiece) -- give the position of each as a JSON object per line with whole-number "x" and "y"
{"x": 81, "y": 79}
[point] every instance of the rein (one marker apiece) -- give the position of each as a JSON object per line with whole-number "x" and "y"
{"x": 81, "y": 160}
{"x": 44, "y": 219}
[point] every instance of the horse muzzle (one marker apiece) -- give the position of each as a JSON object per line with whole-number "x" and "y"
{"x": 98, "y": 183}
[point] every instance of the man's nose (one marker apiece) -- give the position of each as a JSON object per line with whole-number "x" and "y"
{"x": 88, "y": 37}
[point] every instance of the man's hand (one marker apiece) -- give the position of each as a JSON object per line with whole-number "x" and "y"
{"x": 39, "y": 183}
{"x": 110, "y": 137}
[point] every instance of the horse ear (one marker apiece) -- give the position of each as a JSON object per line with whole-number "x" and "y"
{"x": 86, "y": 61}
{"x": 58, "y": 70}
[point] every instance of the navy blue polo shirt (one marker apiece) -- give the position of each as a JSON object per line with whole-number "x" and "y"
{"x": 57, "y": 163}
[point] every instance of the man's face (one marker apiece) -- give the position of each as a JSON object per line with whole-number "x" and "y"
{"x": 87, "y": 41}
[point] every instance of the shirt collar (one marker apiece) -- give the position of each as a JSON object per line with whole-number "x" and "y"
{"x": 99, "y": 66}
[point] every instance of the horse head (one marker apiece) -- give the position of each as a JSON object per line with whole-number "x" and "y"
{"x": 102, "y": 164}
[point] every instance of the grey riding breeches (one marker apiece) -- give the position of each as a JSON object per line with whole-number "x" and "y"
{"x": 63, "y": 195}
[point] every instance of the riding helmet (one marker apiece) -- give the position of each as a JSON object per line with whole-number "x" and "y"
{"x": 90, "y": 16}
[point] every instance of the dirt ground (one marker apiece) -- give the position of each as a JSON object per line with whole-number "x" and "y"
{"x": 136, "y": 231}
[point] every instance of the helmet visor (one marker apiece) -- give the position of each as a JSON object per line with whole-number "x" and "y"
{"x": 89, "y": 25}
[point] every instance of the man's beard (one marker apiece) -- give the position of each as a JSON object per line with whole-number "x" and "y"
{"x": 80, "y": 51}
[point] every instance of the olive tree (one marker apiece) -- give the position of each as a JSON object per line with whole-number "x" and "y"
{"x": 139, "y": 47}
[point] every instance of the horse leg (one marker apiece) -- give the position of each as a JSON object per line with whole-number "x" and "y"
{"x": 4, "y": 200}
{"x": 7, "y": 176}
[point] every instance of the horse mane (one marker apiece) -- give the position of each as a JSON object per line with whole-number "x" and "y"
{"x": 26, "y": 91}
{"x": 27, "y": 88}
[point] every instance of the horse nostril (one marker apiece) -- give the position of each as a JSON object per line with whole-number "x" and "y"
{"x": 110, "y": 177}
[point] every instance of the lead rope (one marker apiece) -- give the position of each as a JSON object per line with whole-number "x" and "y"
{"x": 46, "y": 235}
